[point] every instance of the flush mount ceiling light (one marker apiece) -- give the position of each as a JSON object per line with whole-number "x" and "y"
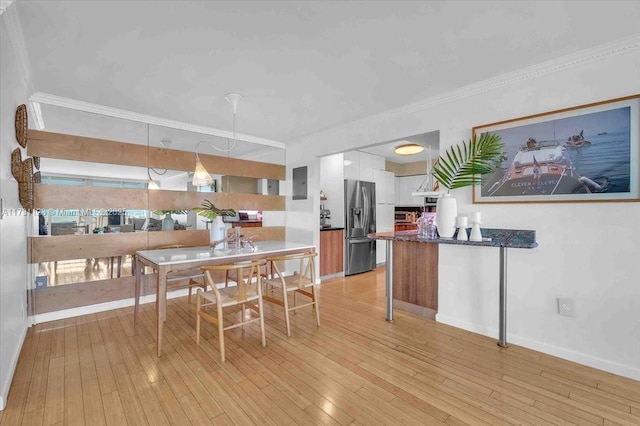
{"x": 201, "y": 176}
{"x": 408, "y": 149}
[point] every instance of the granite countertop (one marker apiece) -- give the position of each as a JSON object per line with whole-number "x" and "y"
{"x": 515, "y": 238}
{"x": 332, "y": 228}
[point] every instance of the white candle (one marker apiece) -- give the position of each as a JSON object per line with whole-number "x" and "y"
{"x": 461, "y": 221}
{"x": 475, "y": 217}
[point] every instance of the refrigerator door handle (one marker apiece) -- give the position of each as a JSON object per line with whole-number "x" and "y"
{"x": 365, "y": 219}
{"x": 359, "y": 240}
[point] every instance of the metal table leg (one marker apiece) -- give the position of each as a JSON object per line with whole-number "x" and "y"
{"x": 502, "y": 341}
{"x": 389, "y": 280}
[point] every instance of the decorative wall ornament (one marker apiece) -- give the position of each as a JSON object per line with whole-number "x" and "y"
{"x": 36, "y": 162}
{"x": 21, "y": 125}
{"x": 16, "y": 164}
{"x": 25, "y": 185}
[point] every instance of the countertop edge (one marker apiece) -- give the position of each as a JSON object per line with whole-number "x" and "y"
{"x": 510, "y": 238}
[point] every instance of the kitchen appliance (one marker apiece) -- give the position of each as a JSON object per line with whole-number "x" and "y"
{"x": 360, "y": 220}
{"x": 325, "y": 217}
{"x": 401, "y": 216}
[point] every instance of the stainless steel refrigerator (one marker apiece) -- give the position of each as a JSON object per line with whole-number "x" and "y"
{"x": 360, "y": 220}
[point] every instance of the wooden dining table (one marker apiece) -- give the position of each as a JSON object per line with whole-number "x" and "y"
{"x": 164, "y": 261}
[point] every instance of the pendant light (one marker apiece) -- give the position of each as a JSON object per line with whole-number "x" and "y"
{"x": 201, "y": 176}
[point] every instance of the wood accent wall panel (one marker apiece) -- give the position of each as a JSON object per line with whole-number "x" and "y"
{"x": 331, "y": 252}
{"x": 89, "y": 197}
{"x": 415, "y": 273}
{"x": 69, "y": 296}
{"x": 77, "y": 197}
{"x": 66, "y": 247}
{"x": 257, "y": 202}
{"x": 71, "y": 147}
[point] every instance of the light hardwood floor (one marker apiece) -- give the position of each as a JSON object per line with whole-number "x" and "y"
{"x": 356, "y": 369}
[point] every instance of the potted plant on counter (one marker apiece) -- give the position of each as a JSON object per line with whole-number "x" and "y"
{"x": 461, "y": 166}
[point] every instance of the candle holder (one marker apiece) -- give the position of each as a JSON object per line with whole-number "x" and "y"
{"x": 461, "y": 222}
{"x": 476, "y": 234}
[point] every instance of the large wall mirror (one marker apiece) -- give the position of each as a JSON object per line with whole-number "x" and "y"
{"x": 122, "y": 184}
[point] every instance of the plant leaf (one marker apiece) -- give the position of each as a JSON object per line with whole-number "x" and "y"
{"x": 459, "y": 166}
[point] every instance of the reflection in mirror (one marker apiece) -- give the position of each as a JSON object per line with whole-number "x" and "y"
{"x": 64, "y": 272}
{"x": 127, "y": 156}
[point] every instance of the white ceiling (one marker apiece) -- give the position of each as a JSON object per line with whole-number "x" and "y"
{"x": 302, "y": 66}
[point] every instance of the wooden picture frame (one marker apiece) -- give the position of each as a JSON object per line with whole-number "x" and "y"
{"x": 588, "y": 153}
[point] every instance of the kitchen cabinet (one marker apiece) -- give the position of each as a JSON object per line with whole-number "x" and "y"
{"x": 404, "y": 186}
{"x": 378, "y": 162}
{"x": 331, "y": 251}
{"x": 385, "y": 186}
{"x": 405, "y": 226}
{"x": 352, "y": 169}
{"x": 366, "y": 167}
{"x": 417, "y": 285}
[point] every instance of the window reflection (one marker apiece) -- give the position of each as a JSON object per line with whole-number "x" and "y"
{"x": 62, "y": 272}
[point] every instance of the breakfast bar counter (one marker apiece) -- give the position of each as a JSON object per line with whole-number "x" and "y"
{"x": 415, "y": 266}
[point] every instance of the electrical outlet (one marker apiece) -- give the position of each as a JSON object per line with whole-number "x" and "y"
{"x": 566, "y": 307}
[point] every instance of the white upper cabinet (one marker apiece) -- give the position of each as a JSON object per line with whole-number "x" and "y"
{"x": 361, "y": 166}
{"x": 385, "y": 186}
{"x": 366, "y": 167}
{"x": 404, "y": 186}
{"x": 352, "y": 165}
{"x": 378, "y": 162}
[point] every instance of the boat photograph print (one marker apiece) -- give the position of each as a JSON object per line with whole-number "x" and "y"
{"x": 581, "y": 154}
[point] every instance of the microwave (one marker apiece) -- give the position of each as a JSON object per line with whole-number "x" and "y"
{"x": 405, "y": 216}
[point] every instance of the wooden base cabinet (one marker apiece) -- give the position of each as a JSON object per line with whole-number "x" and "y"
{"x": 415, "y": 273}
{"x": 331, "y": 251}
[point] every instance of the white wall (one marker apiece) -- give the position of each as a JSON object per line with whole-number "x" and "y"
{"x": 13, "y": 226}
{"x": 587, "y": 251}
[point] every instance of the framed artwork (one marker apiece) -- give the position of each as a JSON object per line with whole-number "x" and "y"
{"x": 587, "y": 153}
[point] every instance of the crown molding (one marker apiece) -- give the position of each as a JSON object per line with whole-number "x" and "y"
{"x": 604, "y": 51}
{"x": 4, "y": 4}
{"x": 16, "y": 40}
{"x": 47, "y": 99}
{"x": 573, "y": 60}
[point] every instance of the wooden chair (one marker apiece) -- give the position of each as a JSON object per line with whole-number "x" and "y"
{"x": 195, "y": 275}
{"x": 246, "y": 292}
{"x": 298, "y": 282}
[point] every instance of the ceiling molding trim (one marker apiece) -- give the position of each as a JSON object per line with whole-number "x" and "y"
{"x": 4, "y": 4}
{"x": 618, "y": 47}
{"x": 16, "y": 40}
{"x": 60, "y": 101}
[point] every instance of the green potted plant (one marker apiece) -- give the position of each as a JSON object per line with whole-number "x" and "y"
{"x": 217, "y": 230}
{"x": 210, "y": 211}
{"x": 167, "y": 222}
{"x": 461, "y": 166}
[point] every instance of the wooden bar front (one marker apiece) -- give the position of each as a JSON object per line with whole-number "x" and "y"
{"x": 415, "y": 273}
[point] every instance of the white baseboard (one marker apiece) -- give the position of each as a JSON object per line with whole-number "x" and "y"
{"x": 581, "y": 358}
{"x": 6, "y": 381}
{"x": 107, "y": 306}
